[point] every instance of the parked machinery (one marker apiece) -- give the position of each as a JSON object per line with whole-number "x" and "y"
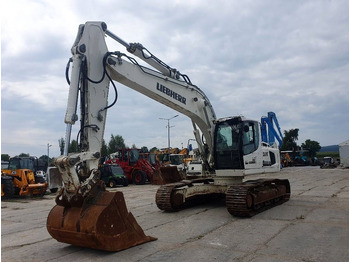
{"x": 230, "y": 148}
{"x": 328, "y": 162}
{"x": 113, "y": 175}
{"x": 286, "y": 159}
{"x": 137, "y": 169}
{"x": 20, "y": 177}
{"x": 54, "y": 179}
{"x": 270, "y": 129}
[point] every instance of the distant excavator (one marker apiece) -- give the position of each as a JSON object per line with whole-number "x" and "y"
{"x": 230, "y": 148}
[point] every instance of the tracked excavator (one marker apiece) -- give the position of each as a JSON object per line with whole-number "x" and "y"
{"x": 231, "y": 148}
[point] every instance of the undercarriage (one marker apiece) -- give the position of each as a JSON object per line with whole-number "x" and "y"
{"x": 243, "y": 199}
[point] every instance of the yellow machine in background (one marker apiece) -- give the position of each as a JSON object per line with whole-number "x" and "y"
{"x": 19, "y": 178}
{"x": 20, "y": 182}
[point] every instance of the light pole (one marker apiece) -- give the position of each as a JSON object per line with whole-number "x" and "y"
{"x": 168, "y": 126}
{"x": 48, "y": 154}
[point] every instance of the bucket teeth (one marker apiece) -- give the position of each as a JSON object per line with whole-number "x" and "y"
{"x": 102, "y": 222}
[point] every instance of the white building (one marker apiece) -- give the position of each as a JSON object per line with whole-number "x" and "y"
{"x": 344, "y": 153}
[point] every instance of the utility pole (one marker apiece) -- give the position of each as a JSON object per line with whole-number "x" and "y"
{"x": 168, "y": 126}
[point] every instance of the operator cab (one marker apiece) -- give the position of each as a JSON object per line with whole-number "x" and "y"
{"x": 238, "y": 146}
{"x": 31, "y": 162}
{"x": 234, "y": 138}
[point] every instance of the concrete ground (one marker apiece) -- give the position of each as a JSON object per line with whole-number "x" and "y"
{"x": 312, "y": 226}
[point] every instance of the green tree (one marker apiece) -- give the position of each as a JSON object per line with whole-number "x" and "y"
{"x": 116, "y": 142}
{"x": 104, "y": 148}
{"x": 46, "y": 159}
{"x": 61, "y": 143}
{"x": 311, "y": 147}
{"x": 144, "y": 149}
{"x": 5, "y": 157}
{"x": 24, "y": 155}
{"x": 73, "y": 147}
{"x": 289, "y": 140}
{"x": 153, "y": 149}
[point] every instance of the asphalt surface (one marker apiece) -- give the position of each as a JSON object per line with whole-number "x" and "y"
{"x": 312, "y": 226}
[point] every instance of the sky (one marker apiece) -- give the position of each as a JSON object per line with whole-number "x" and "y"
{"x": 249, "y": 57}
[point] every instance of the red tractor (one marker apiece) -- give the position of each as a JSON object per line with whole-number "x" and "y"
{"x": 137, "y": 169}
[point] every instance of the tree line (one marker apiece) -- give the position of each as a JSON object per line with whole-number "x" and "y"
{"x": 289, "y": 143}
{"x": 115, "y": 143}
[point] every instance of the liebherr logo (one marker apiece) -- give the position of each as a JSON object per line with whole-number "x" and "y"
{"x": 171, "y": 93}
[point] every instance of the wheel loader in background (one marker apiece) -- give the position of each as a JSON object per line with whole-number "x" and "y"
{"x": 137, "y": 169}
{"x": 89, "y": 216}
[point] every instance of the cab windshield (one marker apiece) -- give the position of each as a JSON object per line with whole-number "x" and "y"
{"x": 134, "y": 156}
{"x": 227, "y": 153}
{"x": 234, "y": 138}
{"x": 21, "y": 163}
{"x": 176, "y": 159}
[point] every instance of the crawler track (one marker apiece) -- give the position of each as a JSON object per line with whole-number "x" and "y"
{"x": 255, "y": 196}
{"x": 164, "y": 197}
{"x": 170, "y": 199}
{"x": 243, "y": 200}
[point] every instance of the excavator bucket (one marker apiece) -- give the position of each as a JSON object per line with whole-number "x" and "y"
{"x": 166, "y": 175}
{"x": 102, "y": 222}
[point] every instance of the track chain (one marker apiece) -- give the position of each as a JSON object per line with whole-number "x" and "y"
{"x": 244, "y": 200}
{"x": 236, "y": 201}
{"x": 164, "y": 196}
{"x": 167, "y": 200}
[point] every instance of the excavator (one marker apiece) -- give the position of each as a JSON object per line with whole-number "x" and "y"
{"x": 231, "y": 147}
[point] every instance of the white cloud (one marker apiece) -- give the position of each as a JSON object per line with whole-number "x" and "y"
{"x": 46, "y": 92}
{"x": 248, "y": 57}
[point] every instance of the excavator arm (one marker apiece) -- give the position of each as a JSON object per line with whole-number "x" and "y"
{"x": 268, "y": 130}
{"x": 80, "y": 170}
{"x": 86, "y": 214}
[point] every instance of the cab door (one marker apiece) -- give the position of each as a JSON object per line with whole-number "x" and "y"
{"x": 252, "y": 156}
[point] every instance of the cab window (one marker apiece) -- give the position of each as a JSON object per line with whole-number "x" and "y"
{"x": 250, "y": 137}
